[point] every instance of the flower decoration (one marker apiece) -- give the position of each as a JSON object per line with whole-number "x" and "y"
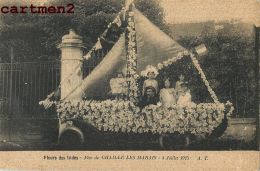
{"x": 124, "y": 116}
{"x": 149, "y": 68}
{"x": 204, "y": 79}
{"x": 131, "y": 61}
{"x": 164, "y": 64}
{"x": 196, "y": 64}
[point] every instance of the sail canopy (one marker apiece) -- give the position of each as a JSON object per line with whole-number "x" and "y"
{"x": 96, "y": 84}
{"x": 153, "y": 47}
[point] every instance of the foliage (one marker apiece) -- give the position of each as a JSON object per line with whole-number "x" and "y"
{"x": 154, "y": 11}
{"x": 229, "y": 64}
{"x": 35, "y": 37}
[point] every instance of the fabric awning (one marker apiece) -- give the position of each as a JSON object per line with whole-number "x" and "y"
{"x": 153, "y": 47}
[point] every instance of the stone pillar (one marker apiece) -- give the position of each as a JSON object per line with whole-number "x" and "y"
{"x": 71, "y": 61}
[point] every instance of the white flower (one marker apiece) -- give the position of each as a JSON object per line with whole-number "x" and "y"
{"x": 160, "y": 66}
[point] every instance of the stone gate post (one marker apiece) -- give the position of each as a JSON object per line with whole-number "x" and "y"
{"x": 71, "y": 61}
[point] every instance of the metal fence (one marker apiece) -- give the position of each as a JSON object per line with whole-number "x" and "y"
{"x": 23, "y": 85}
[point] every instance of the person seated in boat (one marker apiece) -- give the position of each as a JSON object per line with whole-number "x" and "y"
{"x": 184, "y": 95}
{"x": 150, "y": 97}
{"x": 167, "y": 94}
{"x": 179, "y": 83}
{"x": 150, "y": 72}
{"x": 118, "y": 86}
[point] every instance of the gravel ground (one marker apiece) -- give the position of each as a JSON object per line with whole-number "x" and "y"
{"x": 212, "y": 145}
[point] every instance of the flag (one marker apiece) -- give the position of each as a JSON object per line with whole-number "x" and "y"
{"x": 98, "y": 45}
{"x": 87, "y": 56}
{"x": 117, "y": 21}
{"x": 128, "y": 3}
{"x": 123, "y": 14}
{"x": 201, "y": 50}
{"x": 109, "y": 25}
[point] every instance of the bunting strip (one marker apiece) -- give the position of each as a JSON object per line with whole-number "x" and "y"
{"x": 98, "y": 45}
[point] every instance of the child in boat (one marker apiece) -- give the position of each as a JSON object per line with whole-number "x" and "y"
{"x": 184, "y": 95}
{"x": 167, "y": 94}
{"x": 150, "y": 72}
{"x": 179, "y": 83}
{"x": 149, "y": 98}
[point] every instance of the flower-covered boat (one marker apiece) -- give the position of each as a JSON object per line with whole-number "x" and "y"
{"x": 123, "y": 115}
{"x": 126, "y": 117}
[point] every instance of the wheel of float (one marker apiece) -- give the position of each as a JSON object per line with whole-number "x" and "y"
{"x": 174, "y": 141}
{"x": 71, "y": 139}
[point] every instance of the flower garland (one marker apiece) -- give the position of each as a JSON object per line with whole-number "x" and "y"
{"x": 204, "y": 79}
{"x": 149, "y": 68}
{"x": 126, "y": 117}
{"x": 195, "y": 62}
{"x": 132, "y": 59}
{"x": 170, "y": 61}
{"x": 47, "y": 103}
{"x": 98, "y": 45}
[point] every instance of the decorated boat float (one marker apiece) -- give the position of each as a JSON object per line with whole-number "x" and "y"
{"x": 87, "y": 110}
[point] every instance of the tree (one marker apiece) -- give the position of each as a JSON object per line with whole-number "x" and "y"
{"x": 35, "y": 37}
{"x": 229, "y": 64}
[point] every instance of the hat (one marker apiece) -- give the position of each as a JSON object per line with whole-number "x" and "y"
{"x": 148, "y": 69}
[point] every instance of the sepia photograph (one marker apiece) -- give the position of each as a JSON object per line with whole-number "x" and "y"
{"x": 129, "y": 75}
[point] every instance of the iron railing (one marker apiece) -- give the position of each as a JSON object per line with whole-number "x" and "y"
{"x": 23, "y": 85}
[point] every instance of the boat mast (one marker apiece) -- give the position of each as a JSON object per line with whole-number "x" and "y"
{"x": 131, "y": 53}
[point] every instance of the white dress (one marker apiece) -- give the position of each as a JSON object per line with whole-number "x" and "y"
{"x": 168, "y": 96}
{"x": 185, "y": 99}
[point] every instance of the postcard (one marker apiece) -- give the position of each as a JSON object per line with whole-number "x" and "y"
{"x": 129, "y": 85}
